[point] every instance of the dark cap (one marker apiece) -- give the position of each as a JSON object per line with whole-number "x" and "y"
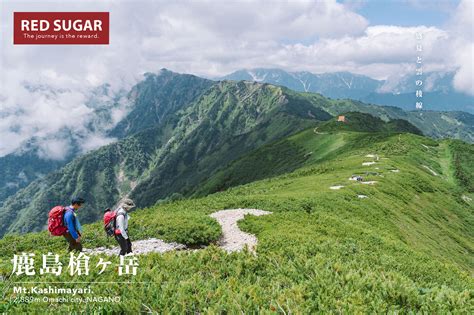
{"x": 77, "y": 200}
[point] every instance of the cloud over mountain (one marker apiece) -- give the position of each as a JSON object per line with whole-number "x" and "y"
{"x": 207, "y": 38}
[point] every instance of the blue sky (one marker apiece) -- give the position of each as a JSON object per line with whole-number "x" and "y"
{"x": 404, "y": 12}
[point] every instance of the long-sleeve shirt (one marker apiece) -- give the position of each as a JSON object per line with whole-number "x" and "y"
{"x": 70, "y": 221}
{"x": 122, "y": 222}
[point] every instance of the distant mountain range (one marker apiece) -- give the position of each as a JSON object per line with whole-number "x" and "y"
{"x": 181, "y": 129}
{"x": 438, "y": 93}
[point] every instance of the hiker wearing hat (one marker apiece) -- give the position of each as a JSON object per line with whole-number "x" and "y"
{"x": 121, "y": 231}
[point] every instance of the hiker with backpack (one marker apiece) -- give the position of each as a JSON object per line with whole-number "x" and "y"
{"x": 62, "y": 221}
{"x": 116, "y": 224}
{"x": 71, "y": 222}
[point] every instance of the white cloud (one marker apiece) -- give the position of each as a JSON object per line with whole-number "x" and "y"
{"x": 383, "y": 51}
{"x": 464, "y": 78}
{"x": 55, "y": 111}
{"x": 462, "y": 46}
{"x": 209, "y": 38}
{"x": 95, "y": 141}
{"x": 54, "y": 149}
{"x": 44, "y": 89}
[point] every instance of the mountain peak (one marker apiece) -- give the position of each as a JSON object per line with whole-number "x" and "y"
{"x": 438, "y": 90}
{"x": 336, "y": 85}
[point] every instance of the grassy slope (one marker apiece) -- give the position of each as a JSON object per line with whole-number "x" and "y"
{"x": 293, "y": 152}
{"x": 463, "y": 164}
{"x": 407, "y": 247}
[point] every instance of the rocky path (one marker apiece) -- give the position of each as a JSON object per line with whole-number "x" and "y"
{"x": 233, "y": 239}
{"x": 151, "y": 245}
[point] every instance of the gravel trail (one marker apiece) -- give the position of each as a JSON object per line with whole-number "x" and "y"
{"x": 233, "y": 239}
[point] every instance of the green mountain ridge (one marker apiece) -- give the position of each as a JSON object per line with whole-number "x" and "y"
{"x": 439, "y": 125}
{"x": 284, "y": 156}
{"x": 159, "y": 96}
{"x": 228, "y": 120}
{"x": 407, "y": 246}
{"x": 152, "y": 102}
{"x": 182, "y": 131}
{"x": 156, "y": 98}
{"x": 355, "y": 121}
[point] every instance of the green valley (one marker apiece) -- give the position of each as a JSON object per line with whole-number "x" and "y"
{"x": 183, "y": 130}
{"x": 405, "y": 246}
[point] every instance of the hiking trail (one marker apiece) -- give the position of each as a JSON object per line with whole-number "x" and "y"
{"x": 233, "y": 239}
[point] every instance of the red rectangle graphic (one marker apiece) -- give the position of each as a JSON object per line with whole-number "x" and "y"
{"x": 61, "y": 28}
